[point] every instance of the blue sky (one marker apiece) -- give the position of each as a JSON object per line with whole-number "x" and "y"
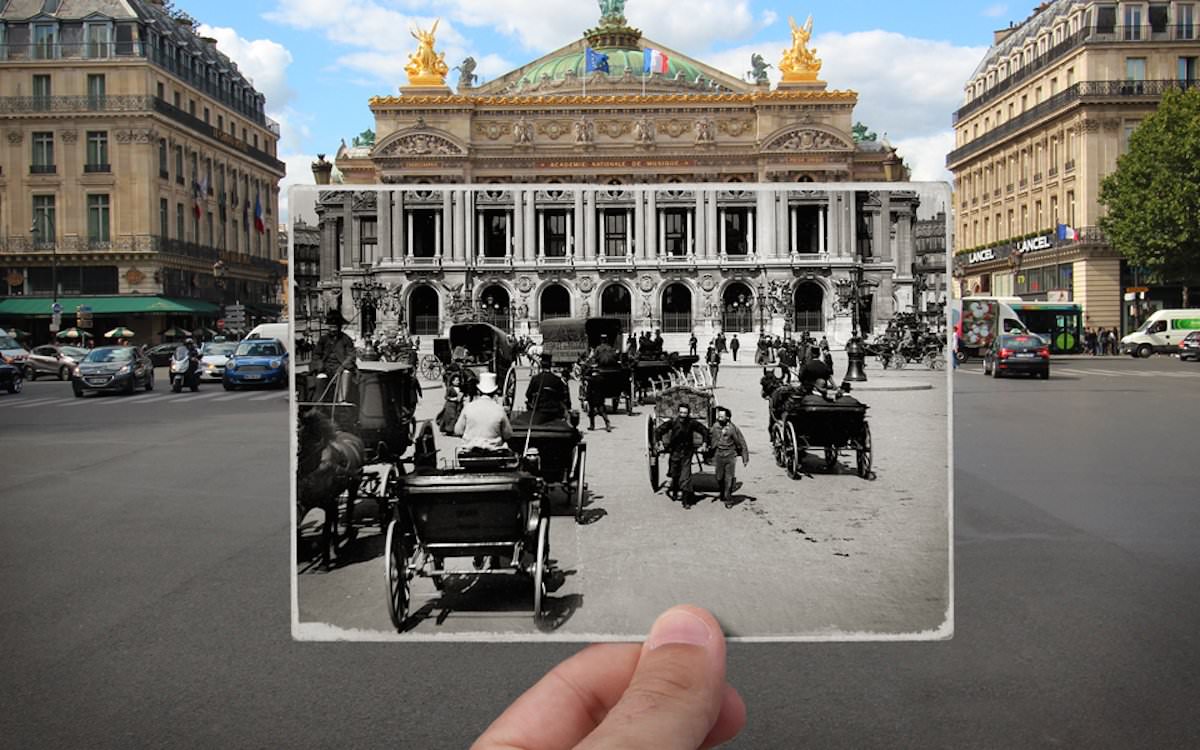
{"x": 318, "y": 61}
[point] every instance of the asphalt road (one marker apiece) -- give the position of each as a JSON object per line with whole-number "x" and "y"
{"x": 146, "y": 567}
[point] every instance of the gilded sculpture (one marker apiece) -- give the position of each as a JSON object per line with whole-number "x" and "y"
{"x": 800, "y": 63}
{"x": 425, "y": 66}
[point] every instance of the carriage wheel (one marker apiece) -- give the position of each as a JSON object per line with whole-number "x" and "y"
{"x": 539, "y": 568}
{"x": 831, "y": 458}
{"x": 937, "y": 361}
{"x": 580, "y": 480}
{"x": 864, "y": 452}
{"x": 778, "y": 445}
{"x": 396, "y": 567}
{"x": 652, "y": 453}
{"x": 510, "y": 388}
{"x": 898, "y": 362}
{"x": 793, "y": 454}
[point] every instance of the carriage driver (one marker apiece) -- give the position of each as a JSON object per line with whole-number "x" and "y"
{"x": 484, "y": 423}
{"x": 676, "y": 437}
{"x": 335, "y": 350}
{"x": 605, "y": 355}
{"x": 547, "y": 397}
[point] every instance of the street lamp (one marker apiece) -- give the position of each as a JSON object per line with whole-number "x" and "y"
{"x": 849, "y": 291}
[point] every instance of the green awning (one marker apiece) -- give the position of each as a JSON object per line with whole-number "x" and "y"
{"x": 39, "y": 307}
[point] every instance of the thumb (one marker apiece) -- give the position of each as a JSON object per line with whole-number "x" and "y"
{"x": 677, "y": 689}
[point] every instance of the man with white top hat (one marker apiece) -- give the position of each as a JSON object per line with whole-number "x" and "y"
{"x": 484, "y": 423}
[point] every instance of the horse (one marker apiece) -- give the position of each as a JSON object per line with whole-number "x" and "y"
{"x": 330, "y": 462}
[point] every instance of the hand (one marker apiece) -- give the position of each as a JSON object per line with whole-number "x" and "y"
{"x": 669, "y": 693}
{"x": 745, "y": 460}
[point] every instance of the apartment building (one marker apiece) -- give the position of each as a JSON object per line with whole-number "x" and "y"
{"x": 1046, "y": 114}
{"x": 138, "y": 171}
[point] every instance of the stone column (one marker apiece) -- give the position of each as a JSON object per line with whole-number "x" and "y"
{"x": 697, "y": 222}
{"x": 852, "y": 210}
{"x": 883, "y": 235}
{"x": 515, "y": 241}
{"x": 469, "y": 221}
{"x": 782, "y": 226}
{"x": 651, "y": 233}
{"x": 589, "y": 223}
{"x": 822, "y": 212}
{"x": 350, "y": 232}
{"x": 638, "y": 248}
{"x": 399, "y": 248}
{"x": 445, "y": 241}
{"x": 530, "y": 224}
{"x": 459, "y": 246}
{"x": 601, "y": 230}
{"x": 541, "y": 235}
{"x": 721, "y": 223}
{"x": 632, "y": 237}
{"x": 714, "y": 228}
{"x": 329, "y": 240}
{"x": 383, "y": 229}
{"x": 408, "y": 231}
{"x": 578, "y": 237}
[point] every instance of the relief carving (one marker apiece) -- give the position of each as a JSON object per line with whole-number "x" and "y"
{"x": 808, "y": 140}
{"x": 420, "y": 144}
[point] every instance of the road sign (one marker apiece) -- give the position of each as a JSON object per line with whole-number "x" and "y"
{"x": 1136, "y": 289}
{"x": 56, "y": 321}
{"x": 221, "y": 324}
{"x": 83, "y": 316}
{"x": 56, "y": 308}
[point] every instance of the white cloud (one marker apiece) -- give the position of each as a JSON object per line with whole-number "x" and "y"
{"x": 995, "y": 11}
{"x": 926, "y": 155}
{"x": 261, "y": 60}
{"x": 299, "y": 172}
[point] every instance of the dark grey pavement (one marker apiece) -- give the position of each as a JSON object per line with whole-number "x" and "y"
{"x": 159, "y": 617}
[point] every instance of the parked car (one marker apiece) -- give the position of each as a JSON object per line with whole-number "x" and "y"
{"x": 160, "y": 356}
{"x": 257, "y": 362}
{"x": 1189, "y": 348}
{"x": 53, "y": 359}
{"x": 120, "y": 369}
{"x": 213, "y": 357}
{"x": 11, "y": 379}
{"x": 12, "y": 349}
{"x": 1023, "y": 352}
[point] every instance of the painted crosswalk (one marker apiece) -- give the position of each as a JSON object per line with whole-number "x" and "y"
{"x": 139, "y": 399}
{"x": 1080, "y": 372}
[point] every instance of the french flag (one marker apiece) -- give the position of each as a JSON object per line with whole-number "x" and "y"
{"x": 259, "y": 225}
{"x": 654, "y": 61}
{"x": 1066, "y": 232}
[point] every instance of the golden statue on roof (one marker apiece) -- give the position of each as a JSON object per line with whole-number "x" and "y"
{"x": 425, "y": 66}
{"x": 800, "y": 63}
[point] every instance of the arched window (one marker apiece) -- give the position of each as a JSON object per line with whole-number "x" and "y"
{"x": 555, "y": 302}
{"x": 737, "y": 309}
{"x": 424, "y": 308}
{"x": 810, "y": 307}
{"x": 677, "y": 309}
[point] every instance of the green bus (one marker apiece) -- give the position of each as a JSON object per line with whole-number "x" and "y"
{"x": 1059, "y": 323}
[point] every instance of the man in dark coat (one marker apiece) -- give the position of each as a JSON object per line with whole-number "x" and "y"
{"x": 334, "y": 352}
{"x": 547, "y": 397}
{"x": 728, "y": 444}
{"x": 787, "y": 360}
{"x": 658, "y": 341}
{"x": 692, "y": 344}
{"x": 605, "y": 355}
{"x": 734, "y": 345}
{"x": 676, "y": 439}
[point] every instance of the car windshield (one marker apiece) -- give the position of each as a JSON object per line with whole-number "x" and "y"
{"x": 1021, "y": 342}
{"x": 74, "y": 352}
{"x": 257, "y": 349}
{"x": 218, "y": 348}
{"x": 8, "y": 342}
{"x": 109, "y": 355}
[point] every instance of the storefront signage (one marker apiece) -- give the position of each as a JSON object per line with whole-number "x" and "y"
{"x": 981, "y": 256}
{"x": 1045, "y": 242}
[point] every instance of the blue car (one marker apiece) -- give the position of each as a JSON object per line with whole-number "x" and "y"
{"x": 257, "y": 362}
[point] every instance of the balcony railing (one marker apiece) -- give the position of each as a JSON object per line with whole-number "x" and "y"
{"x": 200, "y": 126}
{"x": 1080, "y": 91}
{"x": 20, "y": 105}
{"x": 134, "y": 243}
{"x": 96, "y": 168}
{"x": 1178, "y": 32}
{"x": 42, "y": 169}
{"x": 132, "y": 50}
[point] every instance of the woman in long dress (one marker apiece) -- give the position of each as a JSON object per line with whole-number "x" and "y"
{"x": 454, "y": 401}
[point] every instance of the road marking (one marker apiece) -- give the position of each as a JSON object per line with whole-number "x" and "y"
{"x": 196, "y": 397}
{"x": 269, "y": 396}
{"x": 29, "y": 402}
{"x": 39, "y": 402}
{"x": 232, "y": 397}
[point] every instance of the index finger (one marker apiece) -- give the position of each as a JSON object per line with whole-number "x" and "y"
{"x": 567, "y": 704}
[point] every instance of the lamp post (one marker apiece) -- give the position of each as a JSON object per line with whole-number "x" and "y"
{"x": 849, "y": 291}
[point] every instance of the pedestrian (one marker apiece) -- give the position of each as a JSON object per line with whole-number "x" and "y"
{"x": 658, "y": 341}
{"x": 713, "y": 359}
{"x": 631, "y": 347}
{"x": 734, "y": 346}
{"x": 692, "y": 344}
{"x": 453, "y": 405}
{"x": 675, "y": 437}
{"x": 727, "y": 444}
{"x": 594, "y": 397}
{"x": 721, "y": 348}
{"x": 787, "y": 361}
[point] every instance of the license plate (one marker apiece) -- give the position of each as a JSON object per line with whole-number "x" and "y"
{"x": 97, "y": 381}
{"x": 253, "y": 377}
{"x": 1026, "y": 355}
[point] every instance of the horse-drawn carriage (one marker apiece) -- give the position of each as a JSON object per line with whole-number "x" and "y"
{"x": 489, "y": 508}
{"x": 561, "y": 454}
{"x": 799, "y": 422}
{"x": 702, "y": 406}
{"x": 353, "y": 429}
{"x": 478, "y": 347}
{"x": 654, "y": 372}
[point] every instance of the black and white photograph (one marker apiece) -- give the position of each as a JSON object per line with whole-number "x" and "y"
{"x": 545, "y": 411}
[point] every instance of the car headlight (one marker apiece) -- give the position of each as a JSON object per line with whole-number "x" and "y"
{"x": 276, "y": 363}
{"x": 75, "y": 372}
{"x": 230, "y": 365}
{"x": 124, "y": 370}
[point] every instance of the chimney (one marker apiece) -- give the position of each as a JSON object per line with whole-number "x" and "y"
{"x": 322, "y": 170}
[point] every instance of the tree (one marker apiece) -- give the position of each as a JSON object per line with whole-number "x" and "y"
{"x": 1153, "y": 197}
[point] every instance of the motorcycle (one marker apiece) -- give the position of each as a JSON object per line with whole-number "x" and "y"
{"x": 185, "y": 370}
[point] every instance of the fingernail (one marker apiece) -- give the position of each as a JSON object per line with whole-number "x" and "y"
{"x": 678, "y": 626}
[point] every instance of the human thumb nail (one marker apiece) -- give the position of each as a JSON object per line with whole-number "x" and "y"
{"x": 678, "y": 626}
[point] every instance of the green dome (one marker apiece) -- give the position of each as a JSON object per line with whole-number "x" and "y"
{"x": 618, "y": 59}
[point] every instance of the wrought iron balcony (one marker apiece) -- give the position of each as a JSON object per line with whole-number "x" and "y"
{"x": 96, "y": 168}
{"x": 1084, "y": 91}
{"x": 42, "y": 169}
{"x": 24, "y": 105}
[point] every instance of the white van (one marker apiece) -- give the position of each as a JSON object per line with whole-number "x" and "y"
{"x": 272, "y": 331}
{"x": 1161, "y": 333}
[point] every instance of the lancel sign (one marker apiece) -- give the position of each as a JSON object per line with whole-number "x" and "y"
{"x": 1035, "y": 243}
{"x": 981, "y": 256}
{"x": 1044, "y": 242}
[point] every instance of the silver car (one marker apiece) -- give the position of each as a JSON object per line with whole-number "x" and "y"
{"x": 53, "y": 359}
{"x": 213, "y": 356}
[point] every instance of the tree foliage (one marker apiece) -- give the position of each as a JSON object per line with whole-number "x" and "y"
{"x": 1153, "y": 197}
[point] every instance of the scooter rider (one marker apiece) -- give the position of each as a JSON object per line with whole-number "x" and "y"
{"x": 193, "y": 354}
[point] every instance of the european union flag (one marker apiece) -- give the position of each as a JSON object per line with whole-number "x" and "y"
{"x": 596, "y": 61}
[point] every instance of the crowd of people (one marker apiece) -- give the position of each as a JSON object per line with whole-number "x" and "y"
{"x": 1101, "y": 341}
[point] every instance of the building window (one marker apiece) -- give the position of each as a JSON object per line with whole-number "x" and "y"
{"x": 616, "y": 232}
{"x": 1037, "y": 212}
{"x": 97, "y": 218}
{"x": 97, "y": 40}
{"x": 1185, "y": 21}
{"x": 193, "y": 157}
{"x": 554, "y": 234}
{"x": 495, "y": 233}
{"x": 209, "y": 226}
{"x": 45, "y": 41}
{"x": 206, "y": 115}
{"x": 675, "y": 237}
{"x": 179, "y": 222}
{"x": 1071, "y": 207}
{"x": 221, "y": 122}
{"x": 1133, "y": 22}
{"x": 179, "y": 164}
{"x": 1135, "y": 68}
{"x": 96, "y": 90}
{"x": 159, "y": 91}
{"x": 162, "y": 159}
{"x": 97, "y": 151}
{"x": 44, "y": 228}
{"x": 41, "y": 92}
{"x": 368, "y": 238}
{"x": 1158, "y": 18}
{"x": 177, "y": 100}
{"x": 163, "y": 218}
{"x": 1054, "y": 217}
{"x": 1126, "y": 133}
{"x": 736, "y": 231}
{"x": 1187, "y": 69}
{"x": 43, "y": 154}
{"x": 192, "y": 107}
